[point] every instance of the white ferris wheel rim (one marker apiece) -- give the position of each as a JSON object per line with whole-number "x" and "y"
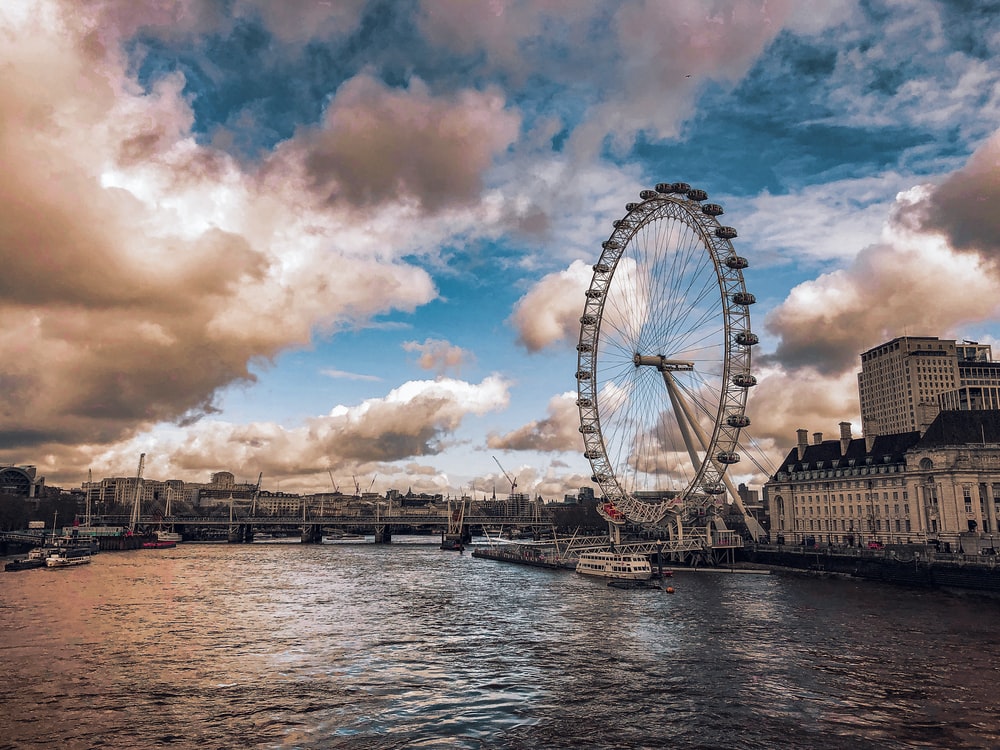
{"x": 665, "y": 332}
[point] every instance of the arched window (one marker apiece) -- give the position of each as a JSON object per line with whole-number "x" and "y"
{"x": 926, "y": 464}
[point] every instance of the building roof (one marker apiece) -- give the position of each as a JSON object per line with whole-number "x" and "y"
{"x": 963, "y": 427}
{"x": 827, "y": 453}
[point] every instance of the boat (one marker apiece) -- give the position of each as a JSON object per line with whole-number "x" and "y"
{"x": 66, "y": 557}
{"x": 345, "y": 539}
{"x": 168, "y": 536}
{"x": 159, "y": 544}
{"x": 615, "y": 565}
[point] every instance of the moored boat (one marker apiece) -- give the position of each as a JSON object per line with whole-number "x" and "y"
{"x": 159, "y": 544}
{"x": 66, "y": 557}
{"x": 615, "y": 565}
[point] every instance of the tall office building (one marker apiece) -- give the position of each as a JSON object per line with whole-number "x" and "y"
{"x": 906, "y": 382}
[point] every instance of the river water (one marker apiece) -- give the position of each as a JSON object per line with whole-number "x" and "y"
{"x": 407, "y": 646}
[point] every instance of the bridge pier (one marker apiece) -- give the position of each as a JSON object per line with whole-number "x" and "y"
{"x": 312, "y": 534}
{"x": 383, "y": 535}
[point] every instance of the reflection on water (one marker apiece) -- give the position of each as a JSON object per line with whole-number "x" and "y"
{"x": 366, "y": 646}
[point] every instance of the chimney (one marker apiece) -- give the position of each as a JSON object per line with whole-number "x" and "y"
{"x": 803, "y": 438}
{"x": 817, "y": 438}
{"x": 845, "y": 437}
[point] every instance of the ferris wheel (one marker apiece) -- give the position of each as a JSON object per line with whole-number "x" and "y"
{"x": 663, "y": 369}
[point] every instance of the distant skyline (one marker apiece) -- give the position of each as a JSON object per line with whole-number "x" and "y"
{"x": 353, "y": 237}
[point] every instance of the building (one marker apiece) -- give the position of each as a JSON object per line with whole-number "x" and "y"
{"x": 21, "y": 481}
{"x": 904, "y": 383}
{"x": 942, "y": 485}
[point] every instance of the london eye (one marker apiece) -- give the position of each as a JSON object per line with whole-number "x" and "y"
{"x": 663, "y": 367}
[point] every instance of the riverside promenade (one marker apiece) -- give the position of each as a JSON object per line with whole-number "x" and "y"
{"x": 911, "y": 565}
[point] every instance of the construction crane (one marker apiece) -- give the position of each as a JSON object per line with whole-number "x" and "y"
{"x": 336, "y": 487}
{"x": 133, "y": 521}
{"x": 256, "y": 492}
{"x": 512, "y": 480}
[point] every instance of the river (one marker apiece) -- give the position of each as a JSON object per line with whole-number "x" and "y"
{"x": 407, "y": 646}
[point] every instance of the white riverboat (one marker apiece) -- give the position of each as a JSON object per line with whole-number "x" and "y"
{"x": 615, "y": 565}
{"x": 66, "y": 557}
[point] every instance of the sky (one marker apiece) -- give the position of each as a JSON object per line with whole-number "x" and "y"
{"x": 344, "y": 242}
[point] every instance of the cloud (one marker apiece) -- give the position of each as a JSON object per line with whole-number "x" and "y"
{"x": 438, "y": 355}
{"x": 559, "y": 431}
{"x": 379, "y": 144}
{"x": 344, "y": 375}
{"x": 911, "y": 282}
{"x": 550, "y": 311}
{"x": 416, "y": 419}
{"x": 144, "y": 271}
{"x": 964, "y": 207}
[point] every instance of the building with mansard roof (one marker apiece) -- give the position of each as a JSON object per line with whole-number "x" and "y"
{"x": 902, "y": 488}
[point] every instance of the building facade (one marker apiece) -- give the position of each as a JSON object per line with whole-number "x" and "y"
{"x": 940, "y": 486}
{"x": 904, "y": 383}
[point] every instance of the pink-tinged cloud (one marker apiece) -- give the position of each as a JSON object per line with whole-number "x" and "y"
{"x": 411, "y": 421}
{"x": 378, "y": 144}
{"x": 438, "y": 355}
{"x": 550, "y": 312}
{"x": 559, "y": 431}
{"x": 966, "y": 206}
{"x": 143, "y": 271}
{"x": 912, "y": 281}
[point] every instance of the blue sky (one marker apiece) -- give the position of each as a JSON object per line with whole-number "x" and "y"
{"x": 354, "y": 236}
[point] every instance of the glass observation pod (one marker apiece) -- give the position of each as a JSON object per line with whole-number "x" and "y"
{"x": 738, "y": 420}
{"x": 587, "y": 428}
{"x": 726, "y": 233}
{"x": 648, "y": 194}
{"x": 714, "y": 489}
{"x": 594, "y": 293}
{"x": 712, "y": 209}
{"x": 679, "y": 187}
{"x": 586, "y": 403}
{"x": 744, "y": 380}
{"x": 727, "y": 457}
{"x": 736, "y": 262}
{"x": 601, "y": 268}
{"x": 585, "y": 347}
{"x": 664, "y": 187}
{"x": 611, "y": 244}
{"x": 747, "y": 338}
{"x": 632, "y": 206}
{"x": 696, "y": 194}
{"x": 583, "y": 374}
{"x": 743, "y": 298}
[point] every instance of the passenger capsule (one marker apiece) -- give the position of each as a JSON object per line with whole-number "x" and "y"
{"x": 583, "y": 374}
{"x": 664, "y": 187}
{"x": 591, "y": 455}
{"x": 744, "y": 380}
{"x": 602, "y": 268}
{"x": 743, "y": 298}
{"x": 600, "y": 478}
{"x": 631, "y": 206}
{"x": 712, "y": 209}
{"x": 747, "y": 338}
{"x": 697, "y": 194}
{"x": 714, "y": 489}
{"x": 726, "y": 233}
{"x": 595, "y": 293}
{"x": 679, "y": 187}
{"x": 648, "y": 194}
{"x": 584, "y": 403}
{"x": 588, "y": 320}
{"x": 738, "y": 420}
{"x": 736, "y": 262}
{"x": 727, "y": 457}
{"x": 611, "y": 244}
{"x": 588, "y": 429}
{"x": 584, "y": 347}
